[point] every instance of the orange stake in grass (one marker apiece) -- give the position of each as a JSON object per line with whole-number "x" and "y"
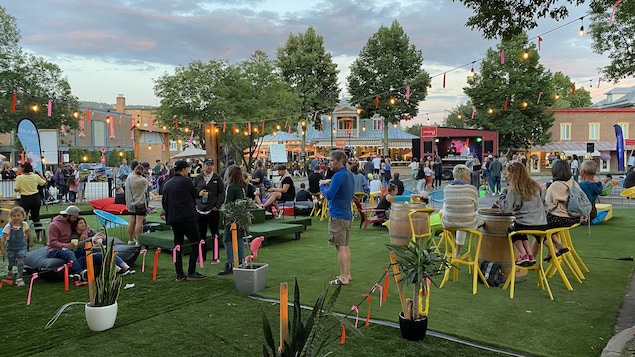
{"x": 235, "y": 244}
{"x": 284, "y": 313}
{"x": 88, "y": 248}
{"x": 156, "y": 263}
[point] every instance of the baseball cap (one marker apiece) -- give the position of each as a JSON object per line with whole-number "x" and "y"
{"x": 71, "y": 211}
{"x": 180, "y": 165}
{"x": 208, "y": 161}
{"x": 145, "y": 164}
{"x": 490, "y": 157}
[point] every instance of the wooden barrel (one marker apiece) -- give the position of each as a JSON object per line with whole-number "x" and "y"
{"x": 6, "y": 204}
{"x": 399, "y": 230}
{"x": 495, "y": 246}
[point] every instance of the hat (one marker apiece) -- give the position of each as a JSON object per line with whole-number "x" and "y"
{"x": 71, "y": 211}
{"x": 145, "y": 165}
{"x": 322, "y": 167}
{"x": 208, "y": 161}
{"x": 180, "y": 165}
{"x": 490, "y": 157}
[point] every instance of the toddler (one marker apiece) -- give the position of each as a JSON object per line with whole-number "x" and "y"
{"x": 15, "y": 236}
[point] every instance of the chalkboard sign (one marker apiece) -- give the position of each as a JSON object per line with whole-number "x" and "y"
{"x": 277, "y": 153}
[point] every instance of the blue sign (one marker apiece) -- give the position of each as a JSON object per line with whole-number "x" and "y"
{"x": 30, "y": 140}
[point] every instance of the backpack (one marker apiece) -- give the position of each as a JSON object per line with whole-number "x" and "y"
{"x": 492, "y": 272}
{"x": 267, "y": 183}
{"x": 579, "y": 204}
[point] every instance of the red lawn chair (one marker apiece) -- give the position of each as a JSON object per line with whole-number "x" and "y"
{"x": 380, "y": 218}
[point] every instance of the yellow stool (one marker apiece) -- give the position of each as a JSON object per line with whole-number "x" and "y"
{"x": 325, "y": 209}
{"x": 376, "y": 195}
{"x": 565, "y": 259}
{"x": 540, "y": 272}
{"x": 448, "y": 240}
{"x": 317, "y": 205}
{"x": 575, "y": 259}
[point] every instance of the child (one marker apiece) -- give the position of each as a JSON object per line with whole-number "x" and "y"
{"x": 15, "y": 236}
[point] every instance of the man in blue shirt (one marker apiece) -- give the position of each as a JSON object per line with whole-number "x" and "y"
{"x": 339, "y": 192}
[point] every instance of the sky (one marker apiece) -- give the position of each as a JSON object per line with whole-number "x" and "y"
{"x": 107, "y": 48}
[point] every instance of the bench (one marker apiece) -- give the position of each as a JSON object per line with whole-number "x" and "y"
{"x": 165, "y": 239}
{"x": 305, "y": 221}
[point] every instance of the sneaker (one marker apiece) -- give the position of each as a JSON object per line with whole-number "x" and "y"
{"x": 83, "y": 275}
{"x": 493, "y": 194}
{"x": 9, "y": 274}
{"x": 19, "y": 282}
{"x": 133, "y": 242}
{"x": 74, "y": 277}
{"x": 180, "y": 277}
{"x": 196, "y": 276}
{"x": 532, "y": 259}
{"x": 280, "y": 214}
{"x": 523, "y": 261}
{"x": 126, "y": 272}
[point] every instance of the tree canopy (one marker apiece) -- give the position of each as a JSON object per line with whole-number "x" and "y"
{"x": 305, "y": 64}
{"x": 511, "y": 98}
{"x": 564, "y": 98}
{"x": 34, "y": 81}
{"x": 379, "y": 77}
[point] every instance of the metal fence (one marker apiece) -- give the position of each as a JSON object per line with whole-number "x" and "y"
{"x": 92, "y": 190}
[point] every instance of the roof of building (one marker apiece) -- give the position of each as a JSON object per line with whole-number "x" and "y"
{"x": 626, "y": 100}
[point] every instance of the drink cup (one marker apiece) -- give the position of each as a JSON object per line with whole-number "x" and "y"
{"x": 74, "y": 242}
{"x": 205, "y": 197}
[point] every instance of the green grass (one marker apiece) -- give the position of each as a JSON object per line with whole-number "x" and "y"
{"x": 209, "y": 318}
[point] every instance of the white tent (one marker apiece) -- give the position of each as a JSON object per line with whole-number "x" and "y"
{"x": 190, "y": 153}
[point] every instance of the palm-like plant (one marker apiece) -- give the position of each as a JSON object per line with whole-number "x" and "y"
{"x": 239, "y": 212}
{"x": 417, "y": 262}
{"x": 108, "y": 283}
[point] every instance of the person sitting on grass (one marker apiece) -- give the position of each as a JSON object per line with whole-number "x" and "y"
{"x": 460, "y": 205}
{"x": 524, "y": 199}
{"x": 16, "y": 235}
{"x": 82, "y": 232}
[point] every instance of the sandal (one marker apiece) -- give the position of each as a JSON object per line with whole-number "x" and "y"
{"x": 337, "y": 281}
{"x": 547, "y": 258}
{"x": 562, "y": 251}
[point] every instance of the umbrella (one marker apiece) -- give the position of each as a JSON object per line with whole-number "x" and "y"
{"x": 190, "y": 152}
{"x": 317, "y": 156}
{"x": 365, "y": 156}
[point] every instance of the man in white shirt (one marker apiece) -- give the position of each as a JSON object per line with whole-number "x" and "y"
{"x": 376, "y": 164}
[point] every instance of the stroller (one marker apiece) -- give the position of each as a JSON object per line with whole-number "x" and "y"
{"x": 50, "y": 195}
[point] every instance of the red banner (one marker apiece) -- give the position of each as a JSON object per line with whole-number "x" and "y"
{"x": 630, "y": 141}
{"x": 427, "y": 131}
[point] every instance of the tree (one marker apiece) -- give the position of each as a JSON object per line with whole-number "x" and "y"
{"x": 562, "y": 85}
{"x": 414, "y": 130}
{"x": 226, "y": 94}
{"x": 616, "y": 38}
{"x": 507, "y": 18}
{"x": 386, "y": 65}
{"x": 310, "y": 70}
{"x": 508, "y": 98}
{"x": 458, "y": 115}
{"x": 34, "y": 81}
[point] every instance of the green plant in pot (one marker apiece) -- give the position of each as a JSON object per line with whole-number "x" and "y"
{"x": 101, "y": 310}
{"x": 414, "y": 264}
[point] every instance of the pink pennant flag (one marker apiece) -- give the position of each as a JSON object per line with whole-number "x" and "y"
{"x": 191, "y": 137}
{"x": 381, "y": 292}
{"x": 150, "y": 124}
{"x": 539, "y": 96}
{"x": 314, "y": 117}
{"x": 503, "y": 56}
{"x": 289, "y": 129}
{"x": 111, "y": 127}
{"x": 81, "y": 127}
{"x": 50, "y": 107}
{"x": 473, "y": 111}
{"x": 539, "y": 41}
{"x": 599, "y": 79}
{"x": 216, "y": 260}
{"x": 613, "y": 11}
{"x": 408, "y": 91}
{"x": 356, "y": 309}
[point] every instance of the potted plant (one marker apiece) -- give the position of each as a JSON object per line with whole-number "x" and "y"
{"x": 414, "y": 264}
{"x": 251, "y": 277}
{"x": 101, "y": 310}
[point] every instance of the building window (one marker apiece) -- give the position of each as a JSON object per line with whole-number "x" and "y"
{"x": 565, "y": 131}
{"x": 594, "y": 131}
{"x": 376, "y": 124}
{"x": 624, "y": 127}
{"x": 173, "y": 145}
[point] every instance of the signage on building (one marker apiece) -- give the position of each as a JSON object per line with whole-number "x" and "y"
{"x": 427, "y": 131}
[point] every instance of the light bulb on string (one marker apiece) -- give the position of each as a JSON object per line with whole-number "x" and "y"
{"x": 526, "y": 54}
{"x": 557, "y": 96}
{"x": 490, "y": 110}
{"x": 472, "y": 73}
{"x": 428, "y": 117}
{"x": 581, "y": 32}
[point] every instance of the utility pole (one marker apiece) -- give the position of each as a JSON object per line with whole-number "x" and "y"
{"x": 332, "y": 118}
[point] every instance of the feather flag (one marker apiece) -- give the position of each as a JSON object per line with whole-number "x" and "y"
{"x": 14, "y": 100}
{"x": 408, "y": 91}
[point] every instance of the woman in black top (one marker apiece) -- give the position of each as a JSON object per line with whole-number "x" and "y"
{"x": 386, "y": 202}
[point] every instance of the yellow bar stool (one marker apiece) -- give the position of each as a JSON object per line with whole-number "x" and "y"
{"x": 538, "y": 268}
{"x": 573, "y": 258}
{"x": 317, "y": 206}
{"x": 468, "y": 258}
{"x": 557, "y": 262}
{"x": 325, "y": 209}
{"x": 417, "y": 216}
{"x": 374, "y": 198}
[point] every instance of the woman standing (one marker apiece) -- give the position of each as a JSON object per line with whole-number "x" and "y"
{"x": 7, "y": 173}
{"x": 136, "y": 203}
{"x": 27, "y": 185}
{"x": 437, "y": 167}
{"x": 236, "y": 186}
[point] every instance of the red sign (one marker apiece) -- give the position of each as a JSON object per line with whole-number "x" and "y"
{"x": 630, "y": 141}
{"x": 428, "y": 131}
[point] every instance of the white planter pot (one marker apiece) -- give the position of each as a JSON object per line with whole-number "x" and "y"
{"x": 251, "y": 281}
{"x": 101, "y": 318}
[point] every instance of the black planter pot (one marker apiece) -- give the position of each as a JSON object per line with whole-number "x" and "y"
{"x": 413, "y": 330}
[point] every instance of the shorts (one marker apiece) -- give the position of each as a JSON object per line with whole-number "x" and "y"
{"x": 139, "y": 210}
{"x": 554, "y": 221}
{"x": 339, "y": 231}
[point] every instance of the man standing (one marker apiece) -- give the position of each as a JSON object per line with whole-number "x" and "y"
{"x": 208, "y": 205}
{"x": 495, "y": 169}
{"x": 339, "y": 192}
{"x": 376, "y": 164}
{"x": 397, "y": 182}
{"x": 178, "y": 201}
{"x": 122, "y": 173}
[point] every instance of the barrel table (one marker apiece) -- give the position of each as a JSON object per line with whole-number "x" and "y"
{"x": 399, "y": 230}
{"x": 495, "y": 244}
